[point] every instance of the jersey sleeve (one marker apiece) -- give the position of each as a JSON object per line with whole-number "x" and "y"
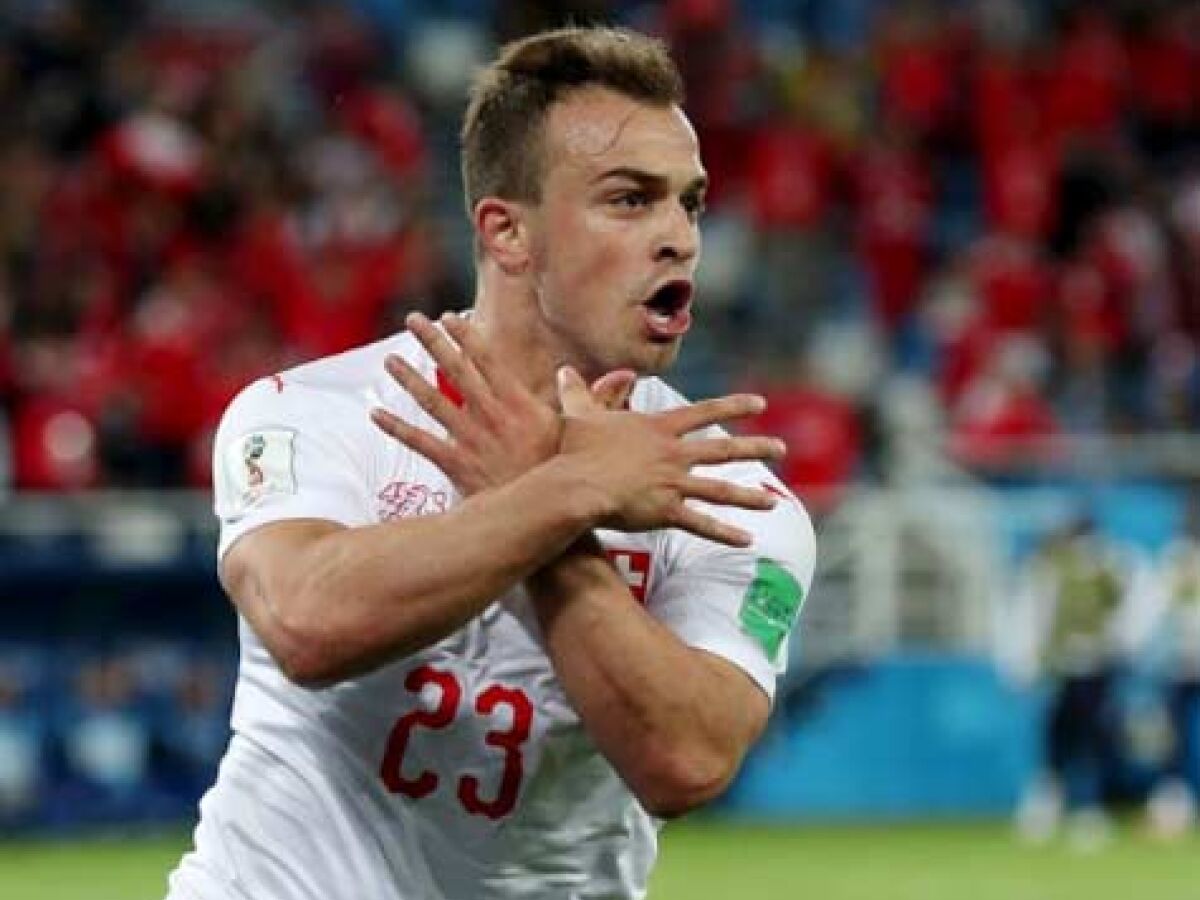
{"x": 740, "y": 603}
{"x": 289, "y": 453}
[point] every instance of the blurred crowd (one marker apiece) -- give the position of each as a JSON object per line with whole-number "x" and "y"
{"x": 93, "y": 736}
{"x": 993, "y": 204}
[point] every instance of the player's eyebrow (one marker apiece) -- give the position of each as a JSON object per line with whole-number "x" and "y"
{"x": 652, "y": 180}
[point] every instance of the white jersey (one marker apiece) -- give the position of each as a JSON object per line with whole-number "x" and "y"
{"x": 1179, "y": 619}
{"x": 461, "y": 771}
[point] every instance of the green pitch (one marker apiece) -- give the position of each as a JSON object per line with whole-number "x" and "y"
{"x": 703, "y": 861}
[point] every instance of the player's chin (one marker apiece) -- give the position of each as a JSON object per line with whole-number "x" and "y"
{"x": 645, "y": 354}
{"x": 656, "y": 356}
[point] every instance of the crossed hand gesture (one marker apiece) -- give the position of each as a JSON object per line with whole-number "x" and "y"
{"x": 637, "y": 467}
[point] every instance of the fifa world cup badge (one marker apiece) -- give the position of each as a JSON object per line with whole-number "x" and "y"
{"x": 259, "y": 465}
{"x": 252, "y": 452}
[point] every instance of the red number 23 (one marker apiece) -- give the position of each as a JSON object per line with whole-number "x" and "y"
{"x": 508, "y": 740}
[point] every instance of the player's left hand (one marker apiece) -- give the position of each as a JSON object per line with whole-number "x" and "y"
{"x": 502, "y": 429}
{"x": 640, "y": 465}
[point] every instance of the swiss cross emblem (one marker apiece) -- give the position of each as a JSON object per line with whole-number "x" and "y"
{"x": 634, "y": 566}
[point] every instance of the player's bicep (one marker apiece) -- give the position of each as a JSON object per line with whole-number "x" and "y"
{"x": 265, "y": 571}
{"x": 740, "y": 693}
{"x": 268, "y": 556}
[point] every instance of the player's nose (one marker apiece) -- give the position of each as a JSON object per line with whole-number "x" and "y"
{"x": 679, "y": 238}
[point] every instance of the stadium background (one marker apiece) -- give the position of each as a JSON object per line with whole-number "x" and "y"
{"x": 957, "y": 243}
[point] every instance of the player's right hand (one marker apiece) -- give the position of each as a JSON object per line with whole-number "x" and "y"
{"x": 501, "y": 430}
{"x": 640, "y": 464}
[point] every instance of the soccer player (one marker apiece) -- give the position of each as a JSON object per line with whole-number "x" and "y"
{"x": 1078, "y": 587}
{"x": 1175, "y": 640}
{"x": 502, "y": 610}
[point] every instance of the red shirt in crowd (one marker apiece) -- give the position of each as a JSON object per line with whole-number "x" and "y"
{"x": 997, "y": 426}
{"x": 1005, "y": 105}
{"x": 894, "y": 192}
{"x": 54, "y": 445}
{"x": 792, "y": 171}
{"x": 1020, "y": 188}
{"x": 325, "y": 301}
{"x": 1002, "y": 417}
{"x": 823, "y": 436}
{"x": 1013, "y": 281}
{"x": 1087, "y": 77}
{"x": 1165, "y": 70}
{"x": 918, "y": 78}
{"x": 1086, "y": 309}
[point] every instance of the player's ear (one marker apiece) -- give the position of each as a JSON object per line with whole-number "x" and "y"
{"x": 503, "y": 233}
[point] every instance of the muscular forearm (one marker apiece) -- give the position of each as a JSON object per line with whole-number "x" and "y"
{"x": 355, "y": 598}
{"x": 672, "y": 720}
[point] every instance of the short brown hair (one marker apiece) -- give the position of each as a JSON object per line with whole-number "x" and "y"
{"x": 502, "y": 150}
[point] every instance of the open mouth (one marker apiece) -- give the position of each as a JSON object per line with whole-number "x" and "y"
{"x": 668, "y": 309}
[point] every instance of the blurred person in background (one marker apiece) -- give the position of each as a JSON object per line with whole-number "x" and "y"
{"x": 1172, "y": 806}
{"x": 23, "y": 727}
{"x": 106, "y": 741}
{"x": 794, "y": 180}
{"x": 893, "y": 194}
{"x": 821, "y": 428}
{"x": 1075, "y": 590}
{"x": 491, "y": 640}
{"x": 1002, "y": 424}
{"x": 192, "y": 727}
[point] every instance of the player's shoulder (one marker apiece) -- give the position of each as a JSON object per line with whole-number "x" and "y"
{"x": 318, "y": 391}
{"x": 358, "y": 368}
{"x": 784, "y": 533}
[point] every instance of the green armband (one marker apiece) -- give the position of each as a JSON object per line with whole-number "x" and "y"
{"x": 771, "y": 606}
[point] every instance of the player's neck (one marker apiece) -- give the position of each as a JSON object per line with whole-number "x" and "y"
{"x": 519, "y": 337}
